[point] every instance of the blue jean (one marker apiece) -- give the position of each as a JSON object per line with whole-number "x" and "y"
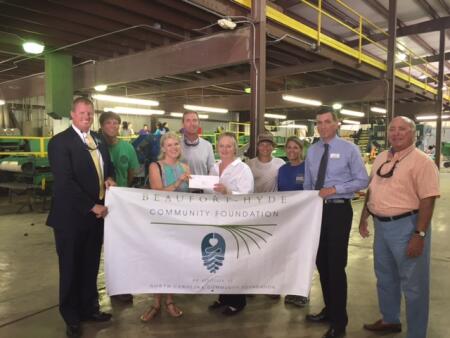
{"x": 396, "y": 273}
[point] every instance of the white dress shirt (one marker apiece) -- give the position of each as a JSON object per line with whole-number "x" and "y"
{"x": 83, "y": 137}
{"x": 237, "y": 177}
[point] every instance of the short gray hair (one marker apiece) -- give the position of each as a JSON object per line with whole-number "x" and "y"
{"x": 411, "y": 124}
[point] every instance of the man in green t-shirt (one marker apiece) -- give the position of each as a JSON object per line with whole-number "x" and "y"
{"x": 123, "y": 157}
{"x": 122, "y": 153}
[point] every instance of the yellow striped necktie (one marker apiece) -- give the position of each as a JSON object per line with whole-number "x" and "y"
{"x": 95, "y": 157}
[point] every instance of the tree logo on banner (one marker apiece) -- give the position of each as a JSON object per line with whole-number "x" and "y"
{"x": 213, "y": 251}
{"x": 243, "y": 234}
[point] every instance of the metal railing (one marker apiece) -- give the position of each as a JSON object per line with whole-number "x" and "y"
{"x": 41, "y": 152}
{"x": 410, "y": 75}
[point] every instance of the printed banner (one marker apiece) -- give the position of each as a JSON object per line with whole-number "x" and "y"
{"x": 169, "y": 242}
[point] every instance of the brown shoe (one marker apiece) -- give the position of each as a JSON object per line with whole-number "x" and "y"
{"x": 379, "y": 326}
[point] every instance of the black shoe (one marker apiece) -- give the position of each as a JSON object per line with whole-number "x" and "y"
{"x": 231, "y": 311}
{"x": 73, "y": 331}
{"x": 333, "y": 333}
{"x": 216, "y": 305}
{"x": 98, "y": 317}
{"x": 319, "y": 317}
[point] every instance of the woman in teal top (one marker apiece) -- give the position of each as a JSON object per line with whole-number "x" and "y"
{"x": 168, "y": 174}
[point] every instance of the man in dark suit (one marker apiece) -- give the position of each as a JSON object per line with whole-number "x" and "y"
{"x": 82, "y": 170}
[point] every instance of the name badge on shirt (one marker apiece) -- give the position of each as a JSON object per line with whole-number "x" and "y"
{"x": 300, "y": 179}
{"x": 335, "y": 155}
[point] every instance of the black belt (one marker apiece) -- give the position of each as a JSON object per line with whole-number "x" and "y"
{"x": 394, "y": 218}
{"x": 336, "y": 201}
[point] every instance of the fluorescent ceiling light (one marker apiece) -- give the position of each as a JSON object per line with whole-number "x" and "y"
{"x": 200, "y": 116}
{"x": 301, "y": 100}
{"x": 275, "y": 116}
{"x": 205, "y": 109}
{"x": 378, "y": 110}
{"x": 350, "y": 122}
{"x": 175, "y": 114}
{"x": 430, "y": 117}
{"x": 121, "y": 99}
{"x": 352, "y": 113}
{"x": 134, "y": 111}
{"x": 101, "y": 88}
{"x": 337, "y": 106}
{"x": 294, "y": 126}
{"x": 33, "y": 47}
{"x": 401, "y": 56}
{"x": 2, "y": 102}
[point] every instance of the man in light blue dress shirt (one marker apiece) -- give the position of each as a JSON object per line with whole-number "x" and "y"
{"x": 335, "y": 168}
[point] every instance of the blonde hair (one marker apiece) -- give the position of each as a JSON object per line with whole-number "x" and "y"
{"x": 298, "y": 142}
{"x": 166, "y": 136}
{"x": 232, "y": 136}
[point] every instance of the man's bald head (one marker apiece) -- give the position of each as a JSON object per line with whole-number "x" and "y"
{"x": 401, "y": 133}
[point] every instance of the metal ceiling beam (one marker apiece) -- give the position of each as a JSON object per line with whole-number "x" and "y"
{"x": 439, "y": 99}
{"x": 257, "y": 73}
{"x": 156, "y": 12}
{"x": 309, "y": 23}
{"x": 27, "y": 87}
{"x": 185, "y": 8}
{"x": 340, "y": 58}
{"x": 425, "y": 27}
{"x": 204, "y": 53}
{"x": 214, "y": 51}
{"x": 218, "y": 7}
{"x": 236, "y": 78}
{"x": 379, "y": 7}
{"x": 40, "y": 32}
{"x": 418, "y": 28}
{"x": 68, "y": 26}
{"x": 367, "y": 91}
{"x": 416, "y": 62}
{"x": 390, "y": 72}
{"x": 412, "y": 108}
{"x": 287, "y": 3}
{"x": 168, "y": 30}
{"x": 108, "y": 18}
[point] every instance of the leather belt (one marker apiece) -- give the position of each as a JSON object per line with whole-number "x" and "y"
{"x": 336, "y": 201}
{"x": 394, "y": 218}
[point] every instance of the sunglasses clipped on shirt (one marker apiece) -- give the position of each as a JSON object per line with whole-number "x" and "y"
{"x": 191, "y": 144}
{"x": 88, "y": 147}
{"x": 390, "y": 172}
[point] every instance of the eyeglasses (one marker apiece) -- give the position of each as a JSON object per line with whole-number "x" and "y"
{"x": 390, "y": 172}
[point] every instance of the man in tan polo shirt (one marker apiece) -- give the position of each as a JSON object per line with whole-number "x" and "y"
{"x": 403, "y": 187}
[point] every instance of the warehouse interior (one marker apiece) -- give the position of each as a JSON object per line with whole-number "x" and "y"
{"x": 246, "y": 66}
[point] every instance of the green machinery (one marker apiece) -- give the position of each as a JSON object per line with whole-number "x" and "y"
{"x": 24, "y": 168}
{"x": 446, "y": 154}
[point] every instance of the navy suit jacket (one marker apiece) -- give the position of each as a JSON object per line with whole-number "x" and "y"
{"x": 75, "y": 185}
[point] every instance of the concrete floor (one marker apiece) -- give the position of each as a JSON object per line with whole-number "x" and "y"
{"x": 29, "y": 288}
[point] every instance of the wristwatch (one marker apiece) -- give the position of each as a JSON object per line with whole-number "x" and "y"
{"x": 420, "y": 233}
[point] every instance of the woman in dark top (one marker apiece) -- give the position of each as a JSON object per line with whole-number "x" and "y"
{"x": 291, "y": 177}
{"x": 292, "y": 174}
